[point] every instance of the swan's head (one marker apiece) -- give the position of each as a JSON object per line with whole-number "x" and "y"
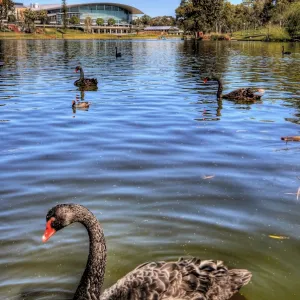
{"x": 259, "y": 91}
{"x": 210, "y": 78}
{"x": 59, "y": 217}
{"x": 206, "y": 79}
{"x": 78, "y": 68}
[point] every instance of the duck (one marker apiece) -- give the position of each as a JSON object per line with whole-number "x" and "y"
{"x": 285, "y": 52}
{"x": 82, "y": 104}
{"x": 187, "y": 278}
{"x": 84, "y": 82}
{"x": 118, "y": 54}
{"x": 243, "y": 94}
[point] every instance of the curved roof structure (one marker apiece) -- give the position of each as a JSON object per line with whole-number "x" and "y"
{"x": 129, "y": 8}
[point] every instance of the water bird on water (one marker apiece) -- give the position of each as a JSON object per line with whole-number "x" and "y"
{"x": 118, "y": 54}
{"x": 243, "y": 94}
{"x": 185, "y": 279}
{"x": 84, "y": 82}
{"x": 1, "y": 63}
{"x": 285, "y": 52}
{"x": 82, "y": 104}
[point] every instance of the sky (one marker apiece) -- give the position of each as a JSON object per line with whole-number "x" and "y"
{"x": 152, "y": 8}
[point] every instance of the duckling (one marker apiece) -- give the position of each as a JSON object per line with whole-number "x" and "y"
{"x": 83, "y": 104}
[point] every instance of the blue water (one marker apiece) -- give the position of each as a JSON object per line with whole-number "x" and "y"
{"x": 168, "y": 170}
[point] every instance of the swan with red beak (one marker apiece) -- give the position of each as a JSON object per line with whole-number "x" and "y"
{"x": 190, "y": 278}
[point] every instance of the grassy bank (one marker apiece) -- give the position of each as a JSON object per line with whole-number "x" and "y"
{"x": 51, "y": 33}
{"x": 271, "y": 33}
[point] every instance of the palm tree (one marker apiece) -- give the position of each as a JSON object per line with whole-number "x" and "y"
{"x": 88, "y": 24}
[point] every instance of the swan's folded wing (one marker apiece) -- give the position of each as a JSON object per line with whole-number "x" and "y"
{"x": 246, "y": 94}
{"x": 185, "y": 279}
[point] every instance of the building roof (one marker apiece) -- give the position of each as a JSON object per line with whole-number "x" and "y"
{"x": 131, "y": 9}
{"x": 153, "y": 28}
{"x": 18, "y": 5}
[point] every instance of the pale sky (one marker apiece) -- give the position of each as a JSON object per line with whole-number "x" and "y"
{"x": 152, "y": 8}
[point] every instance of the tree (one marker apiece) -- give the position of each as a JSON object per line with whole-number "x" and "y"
{"x": 137, "y": 22}
{"x": 184, "y": 15}
{"x": 100, "y": 22}
{"x": 111, "y": 21}
{"x": 11, "y": 18}
{"x": 29, "y": 17}
{"x": 199, "y": 15}
{"x": 64, "y": 10}
{"x": 74, "y": 20}
{"x": 42, "y": 16}
{"x": 6, "y": 7}
{"x": 279, "y": 10}
{"x": 267, "y": 10}
{"x": 228, "y": 17}
{"x": 145, "y": 19}
{"x": 293, "y": 19}
{"x": 88, "y": 24}
{"x": 163, "y": 21}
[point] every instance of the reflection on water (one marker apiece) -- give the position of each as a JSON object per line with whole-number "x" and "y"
{"x": 168, "y": 170}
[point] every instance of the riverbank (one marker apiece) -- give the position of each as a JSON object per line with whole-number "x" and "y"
{"x": 270, "y": 33}
{"x": 52, "y": 34}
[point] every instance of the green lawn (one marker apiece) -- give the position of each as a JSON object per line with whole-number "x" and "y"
{"x": 275, "y": 33}
{"x": 51, "y": 33}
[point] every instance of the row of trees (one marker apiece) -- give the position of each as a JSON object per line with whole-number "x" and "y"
{"x": 74, "y": 20}
{"x": 156, "y": 21}
{"x": 222, "y": 16}
{"x": 29, "y": 16}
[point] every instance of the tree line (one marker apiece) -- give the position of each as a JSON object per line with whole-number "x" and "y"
{"x": 146, "y": 20}
{"x": 192, "y": 16}
{"x": 223, "y": 16}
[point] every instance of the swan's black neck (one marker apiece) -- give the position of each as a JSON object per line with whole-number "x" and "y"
{"x": 93, "y": 276}
{"x": 116, "y": 51}
{"x": 81, "y": 74}
{"x": 220, "y": 87}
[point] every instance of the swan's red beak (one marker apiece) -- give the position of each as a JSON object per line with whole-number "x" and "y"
{"x": 205, "y": 80}
{"x": 49, "y": 231}
{"x": 76, "y": 71}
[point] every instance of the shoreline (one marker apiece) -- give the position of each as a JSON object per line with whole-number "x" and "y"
{"x": 81, "y": 36}
{"x": 87, "y": 36}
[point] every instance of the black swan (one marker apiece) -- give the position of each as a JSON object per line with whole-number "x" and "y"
{"x": 244, "y": 94}
{"x": 285, "y": 52}
{"x": 118, "y": 54}
{"x": 84, "y": 82}
{"x": 82, "y": 104}
{"x": 185, "y": 279}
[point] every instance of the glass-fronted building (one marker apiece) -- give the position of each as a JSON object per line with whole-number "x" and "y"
{"x": 122, "y": 14}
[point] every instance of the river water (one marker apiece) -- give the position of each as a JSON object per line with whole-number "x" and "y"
{"x": 167, "y": 169}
